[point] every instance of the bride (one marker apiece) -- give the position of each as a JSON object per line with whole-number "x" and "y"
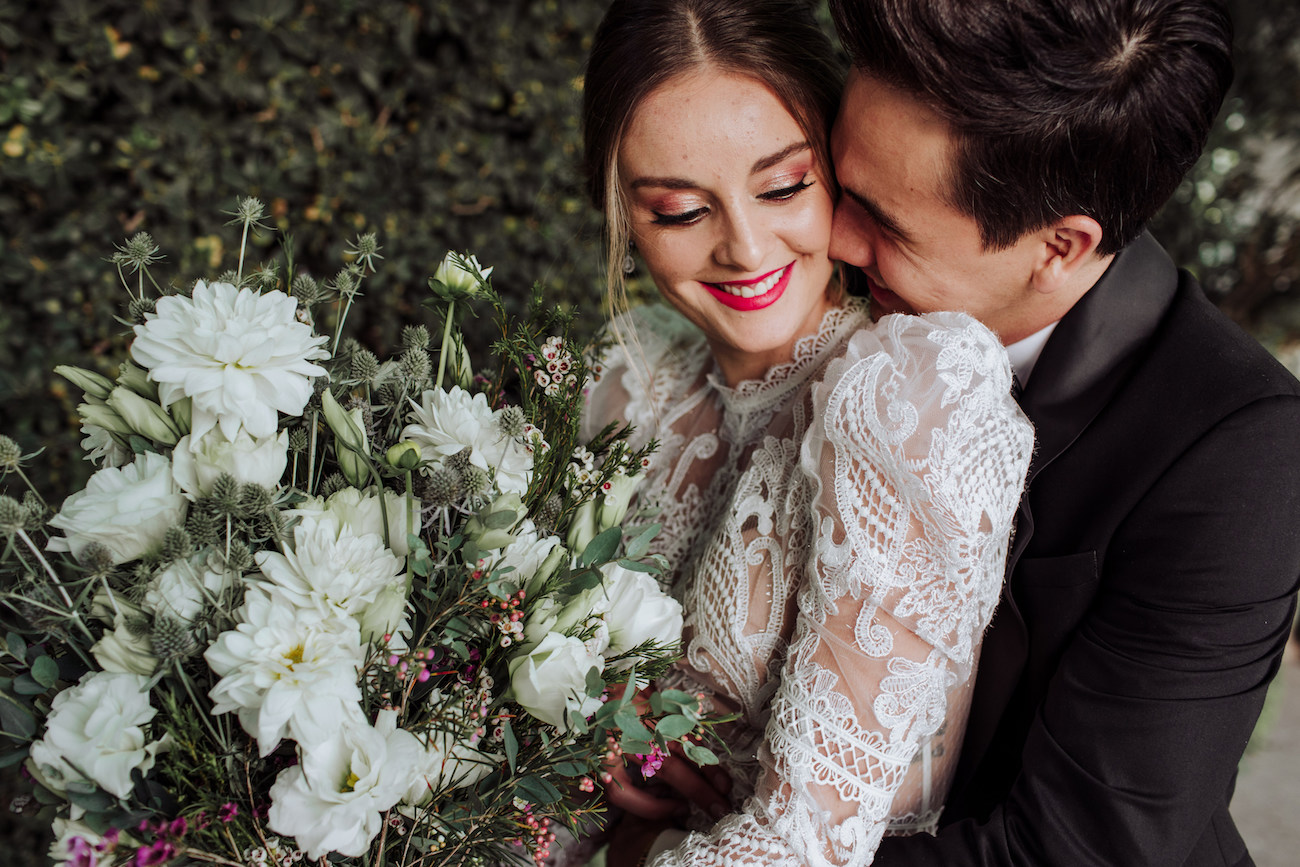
{"x": 836, "y": 494}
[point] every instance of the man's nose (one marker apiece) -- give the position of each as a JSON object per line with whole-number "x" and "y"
{"x": 850, "y": 242}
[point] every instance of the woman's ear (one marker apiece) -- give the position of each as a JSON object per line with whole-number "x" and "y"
{"x": 1069, "y": 254}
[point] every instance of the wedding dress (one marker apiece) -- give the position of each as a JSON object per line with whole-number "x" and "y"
{"x": 836, "y": 533}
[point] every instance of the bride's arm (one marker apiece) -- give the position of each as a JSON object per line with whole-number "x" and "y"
{"x": 915, "y": 460}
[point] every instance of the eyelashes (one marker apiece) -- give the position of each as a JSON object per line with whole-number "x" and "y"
{"x": 686, "y": 218}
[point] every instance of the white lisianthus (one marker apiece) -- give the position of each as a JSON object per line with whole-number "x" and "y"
{"x": 96, "y": 731}
{"x": 334, "y": 800}
{"x": 616, "y": 497}
{"x": 101, "y": 449}
{"x": 78, "y": 844}
{"x": 283, "y": 667}
{"x": 121, "y": 651}
{"x": 461, "y": 273}
{"x": 330, "y": 569}
{"x": 639, "y": 610}
{"x": 186, "y": 587}
{"x": 360, "y": 514}
{"x": 550, "y": 615}
{"x": 551, "y": 680}
{"x": 526, "y": 556}
{"x": 197, "y": 463}
{"x": 242, "y": 356}
{"x": 127, "y": 509}
{"x": 446, "y": 762}
{"x": 386, "y": 615}
{"x": 446, "y": 422}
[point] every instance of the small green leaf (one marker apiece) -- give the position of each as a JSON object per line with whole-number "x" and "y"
{"x": 641, "y": 543}
{"x": 673, "y": 727}
{"x": 570, "y": 769}
{"x": 15, "y": 645}
{"x": 16, "y": 718}
{"x": 700, "y": 755}
{"x": 25, "y": 684}
{"x": 8, "y": 760}
{"x": 537, "y": 790}
{"x": 45, "y": 671}
{"x": 595, "y": 683}
{"x": 602, "y": 548}
{"x": 638, "y": 566}
{"x": 512, "y": 744}
{"x": 502, "y": 520}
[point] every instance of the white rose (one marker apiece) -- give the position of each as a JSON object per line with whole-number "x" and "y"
{"x": 526, "y": 555}
{"x": 118, "y": 650}
{"x": 551, "y": 680}
{"x": 639, "y": 610}
{"x": 186, "y": 587}
{"x": 196, "y": 464}
{"x": 361, "y": 514}
{"x": 95, "y": 731}
{"x": 549, "y": 614}
{"x": 334, "y": 800}
{"x": 126, "y": 509}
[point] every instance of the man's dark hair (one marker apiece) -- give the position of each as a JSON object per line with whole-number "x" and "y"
{"x": 1057, "y": 107}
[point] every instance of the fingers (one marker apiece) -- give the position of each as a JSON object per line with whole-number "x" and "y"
{"x": 623, "y": 794}
{"x": 688, "y": 781}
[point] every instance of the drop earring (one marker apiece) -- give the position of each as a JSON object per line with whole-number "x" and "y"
{"x": 629, "y": 264}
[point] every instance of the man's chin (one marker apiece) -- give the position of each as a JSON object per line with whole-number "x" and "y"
{"x": 884, "y": 302}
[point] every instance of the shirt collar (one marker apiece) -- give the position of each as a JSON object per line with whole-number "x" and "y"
{"x": 1023, "y": 354}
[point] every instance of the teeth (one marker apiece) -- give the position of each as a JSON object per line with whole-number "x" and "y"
{"x": 753, "y": 290}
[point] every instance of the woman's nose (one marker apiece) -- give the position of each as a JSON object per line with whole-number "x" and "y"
{"x": 740, "y": 246}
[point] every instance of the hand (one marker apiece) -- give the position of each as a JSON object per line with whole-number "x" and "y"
{"x": 680, "y": 783}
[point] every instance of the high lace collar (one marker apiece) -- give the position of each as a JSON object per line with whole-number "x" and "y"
{"x": 810, "y": 352}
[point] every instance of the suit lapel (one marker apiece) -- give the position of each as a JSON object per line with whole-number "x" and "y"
{"x": 1083, "y": 364}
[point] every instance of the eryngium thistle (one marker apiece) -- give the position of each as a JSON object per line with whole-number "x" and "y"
{"x": 13, "y": 517}
{"x": 240, "y": 559}
{"x": 440, "y": 488}
{"x": 511, "y": 421}
{"x": 97, "y": 558}
{"x": 365, "y": 366}
{"x": 306, "y": 290}
{"x": 416, "y": 366}
{"x": 171, "y": 639}
{"x": 37, "y": 511}
{"x": 549, "y": 515}
{"x": 225, "y": 494}
{"x": 332, "y": 484}
{"x": 204, "y": 526}
{"x": 415, "y": 337}
{"x": 254, "y": 499}
{"x": 475, "y": 479}
{"x": 139, "y": 307}
{"x": 458, "y": 462}
{"x": 177, "y": 545}
{"x": 298, "y": 441}
{"x": 10, "y": 454}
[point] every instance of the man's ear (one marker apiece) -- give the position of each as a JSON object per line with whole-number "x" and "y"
{"x": 1069, "y": 254}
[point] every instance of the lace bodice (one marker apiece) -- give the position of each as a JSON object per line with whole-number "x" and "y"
{"x": 836, "y": 533}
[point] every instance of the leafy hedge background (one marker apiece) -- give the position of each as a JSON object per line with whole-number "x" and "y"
{"x": 444, "y": 124}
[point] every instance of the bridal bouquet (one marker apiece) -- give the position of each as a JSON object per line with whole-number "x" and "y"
{"x": 318, "y": 607}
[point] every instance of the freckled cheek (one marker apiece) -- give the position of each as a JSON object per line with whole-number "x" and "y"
{"x": 809, "y": 230}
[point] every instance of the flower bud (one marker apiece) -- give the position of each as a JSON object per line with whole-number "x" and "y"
{"x": 137, "y": 379}
{"x": 490, "y": 528}
{"x": 183, "y": 414}
{"x": 104, "y": 416}
{"x": 350, "y": 444}
{"x": 88, "y": 381}
{"x": 13, "y": 517}
{"x": 10, "y": 454}
{"x": 615, "y": 502}
{"x": 144, "y": 416}
{"x": 584, "y": 527}
{"x": 404, "y": 455}
{"x": 459, "y": 277}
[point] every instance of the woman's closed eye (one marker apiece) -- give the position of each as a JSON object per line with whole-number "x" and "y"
{"x": 786, "y": 193}
{"x": 684, "y": 218}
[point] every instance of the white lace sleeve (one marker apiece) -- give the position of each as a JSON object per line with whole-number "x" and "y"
{"x": 917, "y": 456}
{"x": 653, "y": 350}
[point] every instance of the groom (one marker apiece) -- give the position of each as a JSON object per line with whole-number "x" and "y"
{"x": 1002, "y": 158}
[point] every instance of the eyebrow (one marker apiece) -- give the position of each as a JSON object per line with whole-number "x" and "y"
{"x": 877, "y": 214}
{"x": 762, "y": 164}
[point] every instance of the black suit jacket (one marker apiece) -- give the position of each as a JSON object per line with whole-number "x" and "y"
{"x": 1150, "y": 589}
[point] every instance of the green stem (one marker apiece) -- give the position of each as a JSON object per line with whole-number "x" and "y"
{"x": 23, "y": 476}
{"x": 243, "y": 242}
{"x": 54, "y": 576}
{"x": 311, "y": 456}
{"x": 185, "y": 682}
{"x": 446, "y": 340}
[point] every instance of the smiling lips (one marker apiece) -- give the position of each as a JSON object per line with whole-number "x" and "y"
{"x": 753, "y": 294}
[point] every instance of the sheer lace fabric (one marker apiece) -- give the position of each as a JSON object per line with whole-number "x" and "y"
{"x": 836, "y": 533}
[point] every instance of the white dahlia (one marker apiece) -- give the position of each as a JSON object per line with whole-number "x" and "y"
{"x": 332, "y": 570}
{"x": 242, "y": 356}
{"x": 444, "y": 423}
{"x": 287, "y": 671}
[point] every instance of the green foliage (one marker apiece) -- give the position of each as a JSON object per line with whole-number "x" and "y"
{"x": 441, "y": 125}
